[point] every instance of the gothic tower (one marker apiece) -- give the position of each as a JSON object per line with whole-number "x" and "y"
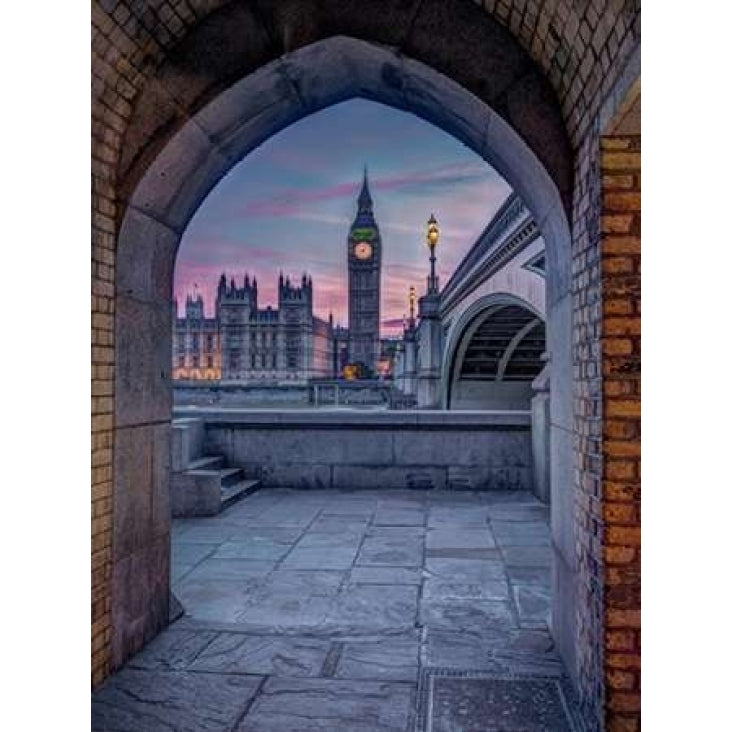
{"x": 364, "y": 282}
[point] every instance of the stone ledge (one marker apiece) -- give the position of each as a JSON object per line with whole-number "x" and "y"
{"x": 361, "y": 419}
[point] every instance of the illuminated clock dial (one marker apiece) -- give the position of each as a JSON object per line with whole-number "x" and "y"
{"x": 362, "y": 250}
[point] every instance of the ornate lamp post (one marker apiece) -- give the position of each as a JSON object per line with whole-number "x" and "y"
{"x": 432, "y": 236}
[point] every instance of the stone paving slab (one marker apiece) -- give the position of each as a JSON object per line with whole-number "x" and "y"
{"x": 182, "y": 553}
{"x": 230, "y": 569}
{"x": 155, "y": 701}
{"x": 387, "y": 659}
{"x": 465, "y": 571}
{"x": 528, "y": 556}
{"x": 264, "y": 655}
{"x": 445, "y": 516}
{"x": 174, "y": 650}
{"x": 336, "y": 524}
{"x": 216, "y": 599}
{"x": 495, "y": 649}
{"x": 440, "y": 590}
{"x": 310, "y": 557}
{"x": 340, "y": 600}
{"x": 285, "y": 610}
{"x": 462, "y": 538}
{"x": 391, "y": 547}
{"x": 525, "y": 533}
{"x": 387, "y": 575}
{"x": 529, "y": 511}
{"x": 533, "y": 603}
{"x": 330, "y": 705}
{"x": 399, "y": 517}
{"x": 477, "y": 616}
{"x": 369, "y": 608}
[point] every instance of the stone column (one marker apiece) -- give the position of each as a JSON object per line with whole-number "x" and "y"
{"x": 409, "y": 364}
{"x": 540, "y": 426}
{"x": 429, "y": 354}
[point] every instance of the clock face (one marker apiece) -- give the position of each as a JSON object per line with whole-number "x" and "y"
{"x": 362, "y": 250}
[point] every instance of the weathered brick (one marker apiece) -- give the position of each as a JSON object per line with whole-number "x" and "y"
{"x": 623, "y": 408}
{"x": 625, "y": 201}
{"x": 623, "y": 535}
{"x": 616, "y": 223}
{"x": 620, "y": 680}
{"x": 624, "y": 701}
{"x": 620, "y": 640}
{"x": 618, "y": 265}
{"x": 617, "y": 346}
{"x": 621, "y": 161}
{"x": 616, "y": 469}
{"x": 627, "y": 244}
{"x": 624, "y": 448}
{"x": 615, "y": 143}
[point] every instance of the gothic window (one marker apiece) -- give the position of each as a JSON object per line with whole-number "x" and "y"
{"x": 209, "y": 343}
{"x": 254, "y": 361}
{"x": 195, "y": 362}
{"x": 181, "y": 361}
{"x": 196, "y": 344}
{"x": 234, "y": 361}
{"x": 210, "y": 362}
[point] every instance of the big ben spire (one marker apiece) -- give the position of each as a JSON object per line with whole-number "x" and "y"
{"x": 365, "y": 204}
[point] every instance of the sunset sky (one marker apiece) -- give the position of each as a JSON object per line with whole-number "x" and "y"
{"x": 288, "y": 206}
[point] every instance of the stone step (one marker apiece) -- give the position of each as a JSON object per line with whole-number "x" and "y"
{"x": 232, "y": 493}
{"x": 211, "y": 462}
{"x": 231, "y": 476}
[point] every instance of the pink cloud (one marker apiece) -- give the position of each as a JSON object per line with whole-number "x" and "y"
{"x": 291, "y": 202}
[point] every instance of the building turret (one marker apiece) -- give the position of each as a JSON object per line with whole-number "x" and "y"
{"x": 194, "y": 307}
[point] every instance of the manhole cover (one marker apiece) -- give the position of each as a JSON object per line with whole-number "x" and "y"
{"x": 464, "y": 701}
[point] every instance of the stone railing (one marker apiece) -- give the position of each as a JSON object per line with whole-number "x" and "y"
{"x": 375, "y": 449}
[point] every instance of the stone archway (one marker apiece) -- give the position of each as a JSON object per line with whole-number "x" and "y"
{"x": 154, "y": 74}
{"x": 171, "y": 190}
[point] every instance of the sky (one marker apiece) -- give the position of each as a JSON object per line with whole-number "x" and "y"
{"x": 288, "y": 206}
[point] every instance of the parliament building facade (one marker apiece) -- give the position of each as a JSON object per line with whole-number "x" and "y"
{"x": 248, "y": 344}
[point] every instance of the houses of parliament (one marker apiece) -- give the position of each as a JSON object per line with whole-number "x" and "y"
{"x": 248, "y": 344}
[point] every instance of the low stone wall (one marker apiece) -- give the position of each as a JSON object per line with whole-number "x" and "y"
{"x": 315, "y": 394}
{"x": 352, "y": 450}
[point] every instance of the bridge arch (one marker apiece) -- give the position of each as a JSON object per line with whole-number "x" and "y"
{"x": 508, "y": 321}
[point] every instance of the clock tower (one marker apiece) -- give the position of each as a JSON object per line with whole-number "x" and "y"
{"x": 364, "y": 283}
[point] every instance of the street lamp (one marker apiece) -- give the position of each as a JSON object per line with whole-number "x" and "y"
{"x": 432, "y": 236}
{"x": 412, "y": 300}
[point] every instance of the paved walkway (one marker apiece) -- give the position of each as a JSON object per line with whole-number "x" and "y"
{"x": 328, "y": 611}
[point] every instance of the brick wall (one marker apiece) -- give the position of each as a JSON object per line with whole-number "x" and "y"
{"x": 102, "y": 391}
{"x": 620, "y": 273}
{"x": 586, "y": 298}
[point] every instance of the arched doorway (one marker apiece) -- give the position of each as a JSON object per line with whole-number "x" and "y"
{"x": 208, "y": 145}
{"x": 166, "y": 191}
